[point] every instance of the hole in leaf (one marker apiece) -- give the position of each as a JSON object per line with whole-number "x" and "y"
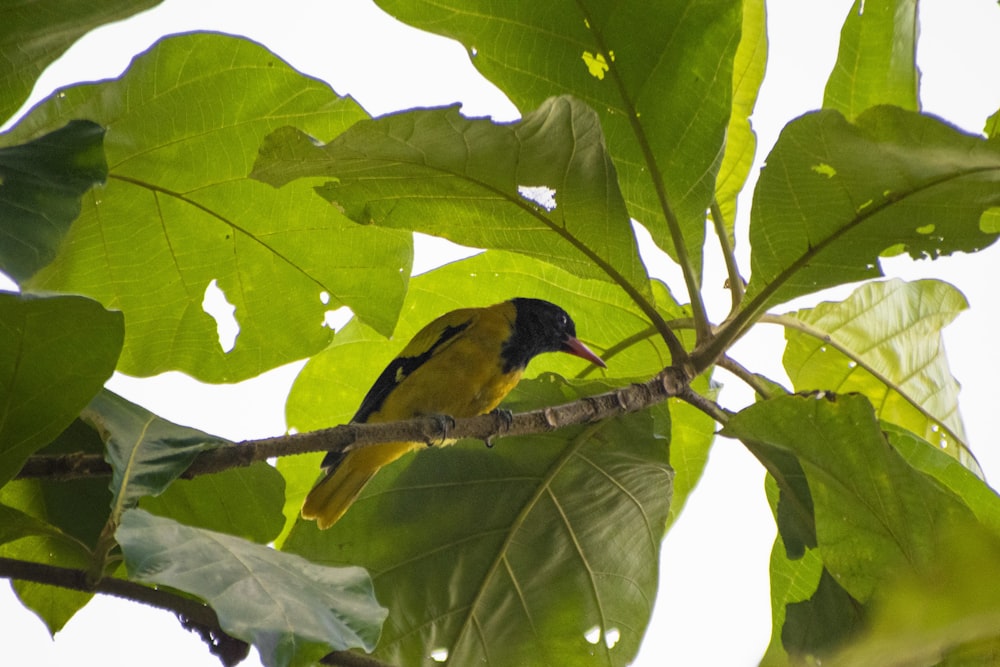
{"x": 336, "y": 319}
{"x": 611, "y": 637}
{"x": 542, "y": 195}
{"x": 596, "y": 64}
{"x": 439, "y": 655}
{"x": 593, "y": 635}
{"x": 223, "y": 312}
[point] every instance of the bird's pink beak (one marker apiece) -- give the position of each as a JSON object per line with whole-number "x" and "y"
{"x": 577, "y": 349}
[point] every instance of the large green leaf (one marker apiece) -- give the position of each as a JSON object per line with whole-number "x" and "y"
{"x": 884, "y": 341}
{"x": 659, "y": 74}
{"x": 55, "y": 354}
{"x": 146, "y": 452}
{"x": 834, "y": 196}
{"x": 541, "y": 550}
{"x": 41, "y": 183}
{"x": 877, "y": 61}
{"x": 245, "y": 502}
{"x": 291, "y": 610}
{"x": 741, "y": 141}
{"x": 435, "y": 171}
{"x": 178, "y": 213}
{"x": 33, "y": 34}
{"x": 874, "y": 513}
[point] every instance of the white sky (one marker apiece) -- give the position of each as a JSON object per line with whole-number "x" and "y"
{"x": 713, "y": 607}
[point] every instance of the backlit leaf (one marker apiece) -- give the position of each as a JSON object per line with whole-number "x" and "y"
{"x": 884, "y": 341}
{"x": 877, "y": 60}
{"x": 179, "y": 214}
{"x": 834, "y": 196}
{"x": 659, "y": 75}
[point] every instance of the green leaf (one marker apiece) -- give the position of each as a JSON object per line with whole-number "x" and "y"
{"x": 146, "y": 452}
{"x": 245, "y": 502}
{"x": 549, "y": 550}
{"x": 659, "y": 75}
{"x": 34, "y": 34}
{"x": 61, "y": 522}
{"x": 434, "y": 171}
{"x": 877, "y": 61}
{"x": 741, "y": 141}
{"x": 974, "y": 492}
{"x": 56, "y": 522}
{"x": 884, "y": 341}
{"x": 291, "y": 610}
{"x": 874, "y": 513}
{"x": 834, "y": 196}
{"x": 41, "y": 183}
{"x": 55, "y": 354}
{"x": 947, "y": 613}
{"x": 179, "y": 214}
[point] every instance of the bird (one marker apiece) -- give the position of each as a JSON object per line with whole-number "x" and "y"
{"x": 462, "y": 364}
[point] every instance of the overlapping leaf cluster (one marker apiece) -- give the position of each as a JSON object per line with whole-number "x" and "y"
{"x": 211, "y": 163}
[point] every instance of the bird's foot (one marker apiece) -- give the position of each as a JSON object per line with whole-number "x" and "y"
{"x": 504, "y": 418}
{"x": 442, "y": 425}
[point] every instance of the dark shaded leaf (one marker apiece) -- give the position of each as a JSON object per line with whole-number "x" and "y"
{"x": 34, "y": 34}
{"x": 55, "y": 354}
{"x": 41, "y": 183}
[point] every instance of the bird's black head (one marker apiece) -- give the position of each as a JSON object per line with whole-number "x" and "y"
{"x": 539, "y": 327}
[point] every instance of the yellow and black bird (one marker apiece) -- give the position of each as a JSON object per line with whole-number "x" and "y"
{"x": 462, "y": 364}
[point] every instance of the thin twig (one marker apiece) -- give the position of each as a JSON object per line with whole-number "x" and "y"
{"x": 764, "y": 389}
{"x": 736, "y": 287}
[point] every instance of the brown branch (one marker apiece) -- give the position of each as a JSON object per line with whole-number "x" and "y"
{"x": 670, "y": 382}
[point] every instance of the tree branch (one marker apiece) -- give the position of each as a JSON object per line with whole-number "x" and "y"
{"x": 670, "y": 382}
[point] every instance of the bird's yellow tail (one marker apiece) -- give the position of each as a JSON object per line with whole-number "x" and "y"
{"x": 334, "y": 494}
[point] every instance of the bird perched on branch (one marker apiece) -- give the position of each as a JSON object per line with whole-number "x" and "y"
{"x": 460, "y": 365}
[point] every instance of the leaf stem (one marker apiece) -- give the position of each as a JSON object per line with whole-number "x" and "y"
{"x": 736, "y": 286}
{"x": 691, "y": 279}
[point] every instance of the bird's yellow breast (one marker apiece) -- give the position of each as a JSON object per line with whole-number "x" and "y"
{"x": 463, "y": 378}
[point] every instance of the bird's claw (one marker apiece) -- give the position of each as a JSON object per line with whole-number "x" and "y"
{"x": 505, "y": 418}
{"x": 442, "y": 425}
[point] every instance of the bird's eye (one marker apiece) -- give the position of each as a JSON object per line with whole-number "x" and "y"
{"x": 563, "y": 319}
